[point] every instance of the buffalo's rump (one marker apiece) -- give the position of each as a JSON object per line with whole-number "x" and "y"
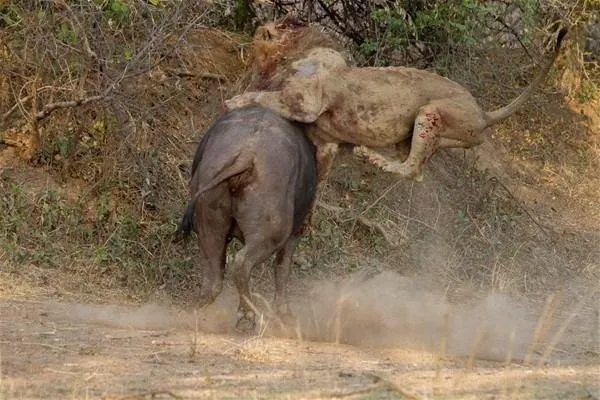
{"x": 283, "y": 160}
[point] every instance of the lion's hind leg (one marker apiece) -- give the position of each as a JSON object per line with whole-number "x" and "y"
{"x": 381, "y": 161}
{"x": 425, "y": 141}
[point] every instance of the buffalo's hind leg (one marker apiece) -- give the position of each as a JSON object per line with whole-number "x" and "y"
{"x": 253, "y": 253}
{"x": 214, "y": 224}
{"x": 283, "y": 266}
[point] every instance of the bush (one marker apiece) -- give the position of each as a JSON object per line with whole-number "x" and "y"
{"x": 392, "y": 32}
{"x": 439, "y": 27}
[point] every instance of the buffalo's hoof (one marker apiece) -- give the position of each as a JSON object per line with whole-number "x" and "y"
{"x": 287, "y": 318}
{"x": 246, "y": 321}
{"x": 209, "y": 293}
{"x": 205, "y": 299}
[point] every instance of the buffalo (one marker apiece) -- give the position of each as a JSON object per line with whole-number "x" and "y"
{"x": 254, "y": 179}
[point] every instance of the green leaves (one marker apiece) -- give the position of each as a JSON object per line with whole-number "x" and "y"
{"x": 9, "y": 16}
{"x": 65, "y": 34}
{"x": 438, "y": 25}
{"x": 120, "y": 11}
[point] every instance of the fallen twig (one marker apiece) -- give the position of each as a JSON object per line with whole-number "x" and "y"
{"x": 496, "y": 181}
{"x": 379, "y": 384}
{"x": 388, "y": 384}
{"x": 385, "y": 192}
{"x": 144, "y": 396}
{"x": 355, "y": 392}
{"x": 377, "y": 226}
{"x": 329, "y": 207}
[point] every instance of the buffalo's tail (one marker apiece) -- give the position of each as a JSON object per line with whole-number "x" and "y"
{"x": 230, "y": 167}
{"x": 187, "y": 221}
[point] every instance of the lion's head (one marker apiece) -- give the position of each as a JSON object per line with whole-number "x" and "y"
{"x": 278, "y": 44}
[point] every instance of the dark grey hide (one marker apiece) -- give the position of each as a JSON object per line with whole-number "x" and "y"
{"x": 253, "y": 178}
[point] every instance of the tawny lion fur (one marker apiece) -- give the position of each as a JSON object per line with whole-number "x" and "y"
{"x": 303, "y": 80}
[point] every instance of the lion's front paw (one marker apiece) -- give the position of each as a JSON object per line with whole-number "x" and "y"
{"x": 238, "y": 101}
{"x": 230, "y": 104}
{"x": 361, "y": 152}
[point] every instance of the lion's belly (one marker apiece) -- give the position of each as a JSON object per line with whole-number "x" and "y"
{"x": 367, "y": 124}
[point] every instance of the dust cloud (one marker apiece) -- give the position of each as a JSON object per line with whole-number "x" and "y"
{"x": 218, "y": 317}
{"x": 386, "y": 310}
{"x": 391, "y": 310}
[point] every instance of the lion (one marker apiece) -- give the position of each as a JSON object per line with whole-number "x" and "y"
{"x": 369, "y": 107}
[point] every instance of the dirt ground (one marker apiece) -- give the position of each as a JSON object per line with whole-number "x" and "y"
{"x": 402, "y": 346}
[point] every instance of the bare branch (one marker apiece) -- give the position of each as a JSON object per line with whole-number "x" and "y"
{"x": 205, "y": 75}
{"x": 22, "y": 100}
{"x": 18, "y": 104}
{"x": 516, "y": 35}
{"x": 51, "y": 107}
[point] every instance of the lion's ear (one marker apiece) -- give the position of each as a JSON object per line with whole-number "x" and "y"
{"x": 259, "y": 34}
{"x": 262, "y": 33}
{"x": 268, "y": 32}
{"x": 290, "y": 21}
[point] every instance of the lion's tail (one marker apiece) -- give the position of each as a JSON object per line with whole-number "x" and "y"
{"x": 506, "y": 111}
